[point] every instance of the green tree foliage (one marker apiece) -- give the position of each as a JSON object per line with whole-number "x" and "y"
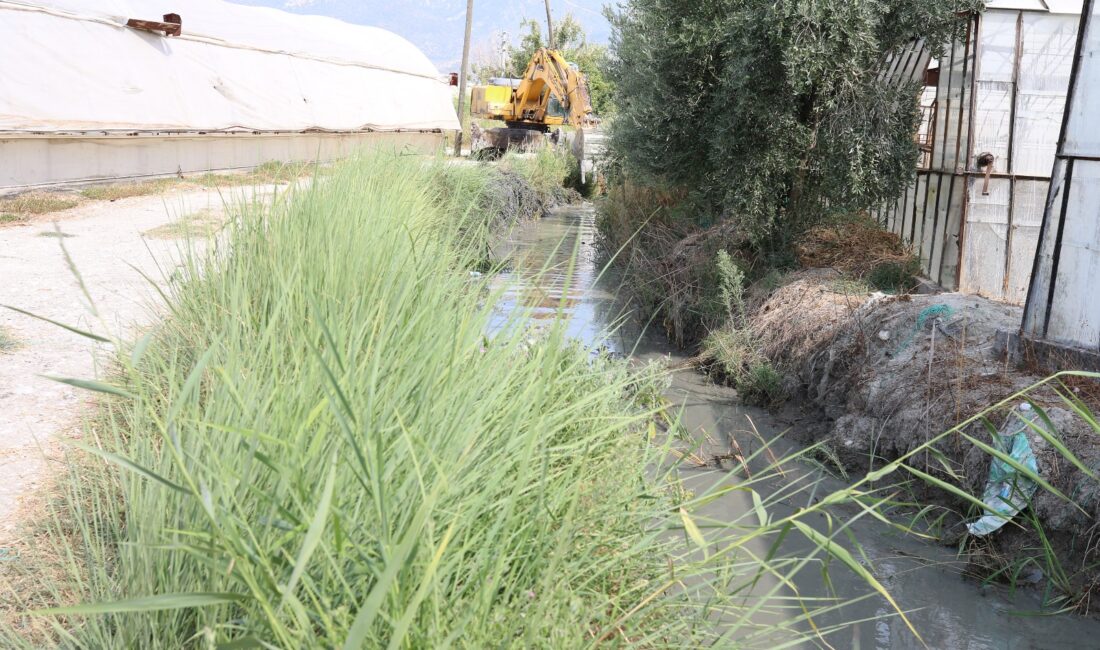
{"x": 768, "y": 110}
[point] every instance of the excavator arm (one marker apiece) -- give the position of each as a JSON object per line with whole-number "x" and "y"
{"x": 550, "y": 75}
{"x": 528, "y": 108}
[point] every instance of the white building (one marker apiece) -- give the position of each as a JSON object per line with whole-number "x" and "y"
{"x": 91, "y": 92}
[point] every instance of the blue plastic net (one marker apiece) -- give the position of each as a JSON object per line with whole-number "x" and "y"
{"x": 927, "y": 314}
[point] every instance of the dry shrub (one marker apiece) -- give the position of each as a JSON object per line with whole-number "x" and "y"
{"x": 116, "y": 191}
{"x": 804, "y": 315}
{"x": 16, "y": 208}
{"x": 669, "y": 262}
{"x": 857, "y": 247}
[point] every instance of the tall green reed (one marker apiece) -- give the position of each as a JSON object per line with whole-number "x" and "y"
{"x": 321, "y": 446}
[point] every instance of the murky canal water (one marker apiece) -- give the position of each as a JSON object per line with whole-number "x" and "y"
{"x": 555, "y": 270}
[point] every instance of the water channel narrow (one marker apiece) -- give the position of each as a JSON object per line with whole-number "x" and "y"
{"x": 950, "y": 610}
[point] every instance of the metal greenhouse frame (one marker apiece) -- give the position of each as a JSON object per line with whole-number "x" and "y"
{"x": 1063, "y": 306}
{"x": 974, "y": 208}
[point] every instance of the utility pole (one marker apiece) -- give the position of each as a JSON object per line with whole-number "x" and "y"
{"x": 550, "y": 25}
{"x": 463, "y": 122}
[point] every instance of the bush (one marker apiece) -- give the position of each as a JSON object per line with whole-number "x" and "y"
{"x": 770, "y": 112}
{"x": 895, "y": 277}
{"x": 7, "y": 341}
{"x": 761, "y": 385}
{"x": 14, "y": 209}
{"x": 732, "y": 350}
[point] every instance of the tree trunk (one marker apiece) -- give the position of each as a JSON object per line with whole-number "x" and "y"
{"x": 549, "y": 26}
{"x": 463, "y": 122}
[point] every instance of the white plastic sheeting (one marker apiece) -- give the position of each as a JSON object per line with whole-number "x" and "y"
{"x": 1062, "y": 304}
{"x": 73, "y": 66}
{"x": 1022, "y": 78}
{"x": 1045, "y": 6}
{"x": 1002, "y": 91}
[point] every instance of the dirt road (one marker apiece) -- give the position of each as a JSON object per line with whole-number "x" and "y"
{"x": 107, "y": 241}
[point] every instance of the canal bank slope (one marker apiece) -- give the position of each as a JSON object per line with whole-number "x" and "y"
{"x": 876, "y": 375}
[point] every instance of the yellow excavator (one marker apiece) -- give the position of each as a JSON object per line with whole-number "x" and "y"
{"x": 551, "y": 93}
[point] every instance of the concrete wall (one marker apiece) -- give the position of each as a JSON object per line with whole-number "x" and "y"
{"x": 28, "y": 161}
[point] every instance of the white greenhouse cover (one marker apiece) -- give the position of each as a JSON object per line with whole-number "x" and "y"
{"x": 1048, "y": 6}
{"x": 73, "y": 66}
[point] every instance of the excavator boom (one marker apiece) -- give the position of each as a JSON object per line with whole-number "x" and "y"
{"x": 549, "y": 76}
{"x": 549, "y": 79}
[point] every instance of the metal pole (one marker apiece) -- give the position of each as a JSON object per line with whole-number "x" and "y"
{"x": 462, "y": 78}
{"x": 549, "y": 25}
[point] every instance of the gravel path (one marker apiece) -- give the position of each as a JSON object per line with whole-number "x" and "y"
{"x": 106, "y": 242}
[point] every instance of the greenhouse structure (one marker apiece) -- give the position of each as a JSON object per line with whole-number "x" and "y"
{"x": 129, "y": 89}
{"x": 993, "y": 112}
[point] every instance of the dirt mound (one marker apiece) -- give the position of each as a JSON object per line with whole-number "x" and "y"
{"x": 892, "y": 372}
{"x": 804, "y": 315}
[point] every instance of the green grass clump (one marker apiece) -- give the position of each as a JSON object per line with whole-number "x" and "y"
{"x": 203, "y": 224}
{"x": 7, "y": 218}
{"x": 761, "y": 385}
{"x": 734, "y": 353}
{"x": 270, "y": 173}
{"x": 895, "y": 277}
{"x": 850, "y": 286}
{"x": 116, "y": 191}
{"x": 7, "y": 340}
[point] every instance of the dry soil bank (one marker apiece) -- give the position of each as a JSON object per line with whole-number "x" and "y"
{"x": 891, "y": 372}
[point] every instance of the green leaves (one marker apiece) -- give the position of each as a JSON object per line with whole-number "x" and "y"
{"x": 842, "y": 554}
{"x": 147, "y": 604}
{"x": 127, "y": 464}
{"x": 74, "y": 330}
{"x": 780, "y": 96}
{"x": 92, "y": 385}
{"x": 316, "y": 528}
{"x": 693, "y": 531}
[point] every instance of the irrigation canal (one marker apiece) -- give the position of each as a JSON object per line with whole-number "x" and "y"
{"x": 951, "y": 611}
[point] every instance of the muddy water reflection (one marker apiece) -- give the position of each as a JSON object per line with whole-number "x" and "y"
{"x": 950, "y": 611}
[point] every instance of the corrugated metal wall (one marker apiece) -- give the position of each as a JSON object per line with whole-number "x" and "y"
{"x": 1064, "y": 303}
{"x": 1002, "y": 92}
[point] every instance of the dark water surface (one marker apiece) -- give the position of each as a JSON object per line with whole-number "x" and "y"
{"x": 555, "y": 270}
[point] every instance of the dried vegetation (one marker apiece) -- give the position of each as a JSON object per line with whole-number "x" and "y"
{"x": 889, "y": 373}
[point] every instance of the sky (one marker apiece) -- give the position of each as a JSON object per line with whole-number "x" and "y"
{"x": 436, "y": 26}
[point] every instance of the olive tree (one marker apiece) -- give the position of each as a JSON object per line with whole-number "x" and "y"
{"x": 768, "y": 110}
